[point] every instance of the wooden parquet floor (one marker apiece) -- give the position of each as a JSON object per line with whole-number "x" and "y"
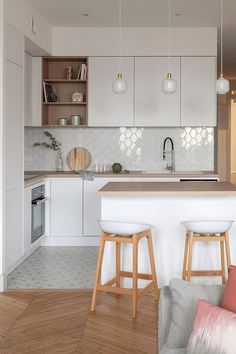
{"x": 60, "y": 322}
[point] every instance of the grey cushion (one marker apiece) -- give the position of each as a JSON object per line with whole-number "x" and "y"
{"x": 185, "y": 296}
{"x": 164, "y": 315}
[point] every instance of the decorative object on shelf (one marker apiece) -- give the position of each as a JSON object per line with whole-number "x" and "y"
{"x": 222, "y": 85}
{"x": 77, "y": 97}
{"x": 62, "y": 121}
{"x": 101, "y": 168}
{"x": 53, "y": 145}
{"x": 59, "y": 162}
{"x": 49, "y": 93}
{"x": 82, "y": 72}
{"x": 87, "y": 175}
{"x": 119, "y": 85}
{"x": 116, "y": 167}
{"x": 169, "y": 85}
{"x": 69, "y": 73}
{"x": 75, "y": 120}
{"x": 79, "y": 159}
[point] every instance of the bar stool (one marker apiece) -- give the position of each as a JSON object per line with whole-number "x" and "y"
{"x": 206, "y": 231}
{"x": 132, "y": 233}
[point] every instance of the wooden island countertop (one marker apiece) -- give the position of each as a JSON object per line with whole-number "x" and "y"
{"x": 168, "y": 189}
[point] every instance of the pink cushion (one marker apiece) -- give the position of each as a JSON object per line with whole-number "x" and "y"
{"x": 214, "y": 330}
{"x": 228, "y": 301}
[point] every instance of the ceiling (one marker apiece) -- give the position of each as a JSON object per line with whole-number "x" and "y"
{"x": 144, "y": 13}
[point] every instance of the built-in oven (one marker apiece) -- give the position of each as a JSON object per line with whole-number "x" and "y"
{"x": 38, "y": 212}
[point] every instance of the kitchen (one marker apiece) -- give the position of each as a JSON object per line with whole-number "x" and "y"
{"x": 130, "y": 130}
{"x": 91, "y": 112}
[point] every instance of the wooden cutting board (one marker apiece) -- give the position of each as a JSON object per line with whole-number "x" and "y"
{"x": 79, "y": 159}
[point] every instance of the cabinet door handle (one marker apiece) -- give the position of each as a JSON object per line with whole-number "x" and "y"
{"x": 39, "y": 202}
{"x": 33, "y": 25}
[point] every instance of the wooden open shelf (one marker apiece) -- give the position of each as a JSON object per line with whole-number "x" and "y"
{"x": 66, "y": 81}
{"x": 66, "y": 103}
{"x": 65, "y": 126}
{"x": 53, "y": 72}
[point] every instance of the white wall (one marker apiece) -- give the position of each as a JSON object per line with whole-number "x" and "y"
{"x": 2, "y": 187}
{"x": 19, "y": 14}
{"x": 136, "y": 41}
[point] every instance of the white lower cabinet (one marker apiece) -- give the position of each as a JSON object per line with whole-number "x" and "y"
{"x": 92, "y": 205}
{"x": 66, "y": 197}
{"x": 14, "y": 228}
{"x": 27, "y": 219}
{"x": 92, "y": 202}
{"x": 74, "y": 208}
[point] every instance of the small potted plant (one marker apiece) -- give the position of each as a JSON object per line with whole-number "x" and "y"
{"x": 53, "y": 145}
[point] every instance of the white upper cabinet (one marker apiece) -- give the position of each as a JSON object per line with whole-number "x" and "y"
{"x": 14, "y": 128}
{"x": 27, "y": 20}
{"x": 106, "y": 108}
{"x": 153, "y": 107}
{"x": 14, "y": 108}
{"x": 14, "y": 45}
{"x": 198, "y": 97}
{"x": 28, "y": 89}
{"x": 33, "y": 91}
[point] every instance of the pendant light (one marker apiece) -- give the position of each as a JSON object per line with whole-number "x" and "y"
{"x": 222, "y": 85}
{"x": 119, "y": 85}
{"x": 169, "y": 85}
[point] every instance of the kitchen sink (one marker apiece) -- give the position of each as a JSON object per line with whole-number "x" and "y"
{"x": 174, "y": 173}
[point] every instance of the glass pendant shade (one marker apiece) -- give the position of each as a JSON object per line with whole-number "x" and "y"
{"x": 119, "y": 85}
{"x": 169, "y": 85}
{"x": 222, "y": 85}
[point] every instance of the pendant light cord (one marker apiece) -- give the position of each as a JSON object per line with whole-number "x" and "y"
{"x": 169, "y": 35}
{"x": 221, "y": 37}
{"x": 120, "y": 35}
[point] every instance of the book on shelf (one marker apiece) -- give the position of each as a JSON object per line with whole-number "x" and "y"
{"x": 82, "y": 72}
{"x": 49, "y": 93}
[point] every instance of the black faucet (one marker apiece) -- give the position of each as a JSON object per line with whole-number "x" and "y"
{"x": 170, "y": 167}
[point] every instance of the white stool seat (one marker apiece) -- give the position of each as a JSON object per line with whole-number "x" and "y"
{"x": 208, "y": 227}
{"x": 122, "y": 228}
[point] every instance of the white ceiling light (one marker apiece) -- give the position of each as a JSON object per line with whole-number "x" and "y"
{"x": 169, "y": 85}
{"x": 119, "y": 85}
{"x": 222, "y": 85}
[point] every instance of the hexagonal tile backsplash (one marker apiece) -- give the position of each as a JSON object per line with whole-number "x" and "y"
{"x": 134, "y": 148}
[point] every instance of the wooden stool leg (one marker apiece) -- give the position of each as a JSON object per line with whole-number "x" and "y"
{"x": 227, "y": 246}
{"x": 135, "y": 279}
{"x": 190, "y": 255}
{"x": 222, "y": 255}
{"x": 118, "y": 264}
{"x": 98, "y": 270}
{"x": 185, "y": 258}
{"x": 152, "y": 264}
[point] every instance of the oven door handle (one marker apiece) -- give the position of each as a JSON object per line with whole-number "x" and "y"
{"x": 39, "y": 202}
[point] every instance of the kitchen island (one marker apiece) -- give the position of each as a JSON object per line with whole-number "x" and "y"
{"x": 165, "y": 206}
